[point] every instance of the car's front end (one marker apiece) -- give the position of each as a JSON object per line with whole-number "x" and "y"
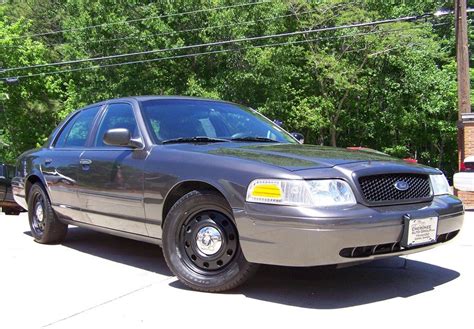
{"x": 352, "y": 212}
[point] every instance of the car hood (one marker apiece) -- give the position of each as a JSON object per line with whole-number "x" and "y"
{"x": 288, "y": 156}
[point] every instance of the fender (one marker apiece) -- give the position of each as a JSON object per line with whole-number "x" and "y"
{"x": 226, "y": 188}
{"x": 39, "y": 175}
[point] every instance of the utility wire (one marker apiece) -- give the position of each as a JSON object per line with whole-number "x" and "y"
{"x": 181, "y": 31}
{"x": 143, "y": 19}
{"x": 197, "y": 29}
{"x": 212, "y": 52}
{"x": 218, "y": 43}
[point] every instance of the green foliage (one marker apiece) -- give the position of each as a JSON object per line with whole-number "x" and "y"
{"x": 391, "y": 87}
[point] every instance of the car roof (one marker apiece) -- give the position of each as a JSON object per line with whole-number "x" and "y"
{"x": 469, "y": 159}
{"x": 154, "y": 97}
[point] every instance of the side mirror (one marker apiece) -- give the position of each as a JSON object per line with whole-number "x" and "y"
{"x": 117, "y": 137}
{"x": 299, "y": 137}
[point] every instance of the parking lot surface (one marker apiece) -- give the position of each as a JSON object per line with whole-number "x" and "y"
{"x": 93, "y": 280}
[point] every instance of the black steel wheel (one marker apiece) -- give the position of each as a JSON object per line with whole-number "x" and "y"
{"x": 38, "y": 214}
{"x": 201, "y": 244}
{"x": 44, "y": 224}
{"x": 208, "y": 239}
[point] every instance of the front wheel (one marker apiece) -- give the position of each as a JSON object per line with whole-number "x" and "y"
{"x": 201, "y": 243}
{"x": 44, "y": 224}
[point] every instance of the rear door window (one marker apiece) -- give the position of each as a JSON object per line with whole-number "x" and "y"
{"x": 77, "y": 130}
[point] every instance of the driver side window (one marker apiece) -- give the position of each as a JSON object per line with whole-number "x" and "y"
{"x": 119, "y": 115}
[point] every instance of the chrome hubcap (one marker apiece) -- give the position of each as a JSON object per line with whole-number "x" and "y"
{"x": 209, "y": 240}
{"x": 39, "y": 212}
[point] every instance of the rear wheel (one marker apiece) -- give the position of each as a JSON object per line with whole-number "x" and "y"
{"x": 44, "y": 224}
{"x": 201, "y": 243}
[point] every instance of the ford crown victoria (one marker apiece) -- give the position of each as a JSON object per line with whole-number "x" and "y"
{"x": 222, "y": 188}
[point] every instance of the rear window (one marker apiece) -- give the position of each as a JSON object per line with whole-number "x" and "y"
{"x": 7, "y": 172}
{"x": 468, "y": 166}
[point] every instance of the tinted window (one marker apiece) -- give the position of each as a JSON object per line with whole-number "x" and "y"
{"x": 7, "y": 172}
{"x": 76, "y": 132}
{"x": 117, "y": 116}
{"x": 169, "y": 119}
{"x": 11, "y": 172}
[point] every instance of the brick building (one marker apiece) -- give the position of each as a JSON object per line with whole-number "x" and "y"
{"x": 466, "y": 148}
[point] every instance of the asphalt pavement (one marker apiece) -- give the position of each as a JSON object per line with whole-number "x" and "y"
{"x": 98, "y": 280}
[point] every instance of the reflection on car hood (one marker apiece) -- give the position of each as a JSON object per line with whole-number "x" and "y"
{"x": 289, "y": 156}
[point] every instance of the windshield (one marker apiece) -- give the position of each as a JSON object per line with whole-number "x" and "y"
{"x": 169, "y": 119}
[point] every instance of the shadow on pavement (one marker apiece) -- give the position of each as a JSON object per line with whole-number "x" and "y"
{"x": 322, "y": 287}
{"x": 326, "y": 287}
{"x": 330, "y": 288}
{"x": 145, "y": 256}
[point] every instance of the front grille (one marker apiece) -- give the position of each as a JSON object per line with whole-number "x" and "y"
{"x": 379, "y": 189}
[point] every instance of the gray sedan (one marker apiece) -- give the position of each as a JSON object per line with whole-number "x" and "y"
{"x": 222, "y": 188}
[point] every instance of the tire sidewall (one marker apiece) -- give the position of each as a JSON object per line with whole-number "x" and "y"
{"x": 54, "y": 231}
{"x": 195, "y": 202}
{"x": 34, "y": 192}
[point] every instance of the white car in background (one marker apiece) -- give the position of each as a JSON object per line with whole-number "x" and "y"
{"x": 464, "y": 180}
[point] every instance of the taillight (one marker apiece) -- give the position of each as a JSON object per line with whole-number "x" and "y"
{"x": 468, "y": 166}
{"x": 462, "y": 167}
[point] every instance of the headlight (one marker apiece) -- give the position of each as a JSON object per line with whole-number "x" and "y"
{"x": 319, "y": 193}
{"x": 439, "y": 184}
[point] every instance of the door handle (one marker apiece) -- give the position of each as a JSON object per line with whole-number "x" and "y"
{"x": 85, "y": 162}
{"x": 48, "y": 161}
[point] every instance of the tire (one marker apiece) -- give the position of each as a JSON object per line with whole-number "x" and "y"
{"x": 44, "y": 224}
{"x": 192, "y": 248}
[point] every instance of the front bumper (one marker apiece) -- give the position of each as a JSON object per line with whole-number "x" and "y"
{"x": 296, "y": 236}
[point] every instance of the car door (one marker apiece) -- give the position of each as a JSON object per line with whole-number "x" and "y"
{"x": 60, "y": 163}
{"x": 110, "y": 179}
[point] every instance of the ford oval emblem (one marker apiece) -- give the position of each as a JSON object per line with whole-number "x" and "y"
{"x": 401, "y": 185}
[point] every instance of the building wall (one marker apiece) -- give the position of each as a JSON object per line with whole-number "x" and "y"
{"x": 466, "y": 148}
{"x": 467, "y": 198}
{"x": 468, "y": 138}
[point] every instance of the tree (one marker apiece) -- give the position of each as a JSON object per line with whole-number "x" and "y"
{"x": 390, "y": 87}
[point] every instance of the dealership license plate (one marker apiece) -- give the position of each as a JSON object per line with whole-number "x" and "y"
{"x": 420, "y": 231}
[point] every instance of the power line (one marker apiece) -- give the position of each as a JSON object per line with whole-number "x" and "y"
{"x": 185, "y": 30}
{"x": 224, "y": 42}
{"x": 143, "y": 19}
{"x": 175, "y": 32}
{"x": 210, "y": 53}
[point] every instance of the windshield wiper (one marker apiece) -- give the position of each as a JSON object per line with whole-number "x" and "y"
{"x": 195, "y": 139}
{"x": 254, "y": 139}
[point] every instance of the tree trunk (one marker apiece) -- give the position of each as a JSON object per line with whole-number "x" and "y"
{"x": 332, "y": 132}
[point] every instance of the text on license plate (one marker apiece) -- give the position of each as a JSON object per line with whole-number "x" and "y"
{"x": 421, "y": 231}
